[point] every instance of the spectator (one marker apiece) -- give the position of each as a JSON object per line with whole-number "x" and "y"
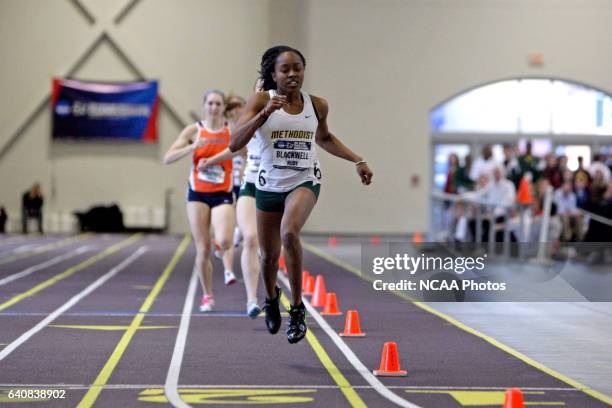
{"x": 598, "y": 233}
{"x": 528, "y": 163}
{"x": 563, "y": 164}
{"x": 484, "y": 165}
{"x": 555, "y": 226}
{"x": 598, "y": 181}
{"x": 31, "y": 204}
{"x": 565, "y": 200}
{"x": 511, "y": 166}
{"x": 3, "y": 218}
{"x": 598, "y": 165}
{"x": 462, "y": 179}
{"x": 582, "y": 192}
{"x": 581, "y": 175}
{"x": 552, "y": 172}
{"x": 453, "y": 166}
{"x": 499, "y": 191}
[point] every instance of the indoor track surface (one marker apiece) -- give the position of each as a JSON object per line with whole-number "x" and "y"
{"x": 113, "y": 321}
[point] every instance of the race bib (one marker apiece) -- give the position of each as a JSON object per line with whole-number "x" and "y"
{"x": 214, "y": 174}
{"x": 292, "y": 154}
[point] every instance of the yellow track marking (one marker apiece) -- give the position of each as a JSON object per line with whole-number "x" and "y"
{"x": 70, "y": 271}
{"x": 589, "y": 391}
{"x": 485, "y": 398}
{"x": 231, "y": 396}
{"x": 90, "y": 398}
{"x": 350, "y": 394}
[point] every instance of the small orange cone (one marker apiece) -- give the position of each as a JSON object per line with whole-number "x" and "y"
{"x": 318, "y": 296}
{"x": 331, "y": 306}
{"x": 389, "y": 362}
{"x": 351, "y": 325}
{"x": 375, "y": 240}
{"x": 281, "y": 264}
{"x": 308, "y": 285}
{"x": 332, "y": 241}
{"x": 524, "y": 196}
{"x": 305, "y": 275}
{"x": 513, "y": 398}
{"x": 417, "y": 238}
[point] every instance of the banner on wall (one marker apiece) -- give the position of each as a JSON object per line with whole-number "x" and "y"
{"x": 94, "y": 110}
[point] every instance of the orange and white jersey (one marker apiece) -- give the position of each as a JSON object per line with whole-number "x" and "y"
{"x": 216, "y": 177}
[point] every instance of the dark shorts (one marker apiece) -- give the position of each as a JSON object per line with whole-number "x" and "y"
{"x": 275, "y": 202}
{"x": 248, "y": 190}
{"x": 236, "y": 192}
{"x": 211, "y": 199}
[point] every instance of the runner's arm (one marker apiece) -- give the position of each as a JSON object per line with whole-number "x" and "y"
{"x": 223, "y": 155}
{"x": 333, "y": 145}
{"x": 183, "y": 145}
{"x": 253, "y": 116}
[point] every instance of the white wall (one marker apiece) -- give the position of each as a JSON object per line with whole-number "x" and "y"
{"x": 382, "y": 65}
{"x": 191, "y": 46}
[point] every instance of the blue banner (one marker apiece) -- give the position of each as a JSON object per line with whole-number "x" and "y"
{"x": 92, "y": 110}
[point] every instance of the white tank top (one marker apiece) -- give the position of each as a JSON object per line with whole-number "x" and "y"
{"x": 287, "y": 146}
{"x": 236, "y": 167}
{"x": 253, "y": 159}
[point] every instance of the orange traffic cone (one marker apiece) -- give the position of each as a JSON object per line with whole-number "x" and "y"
{"x": 417, "y": 238}
{"x": 351, "y": 325}
{"x": 318, "y": 296}
{"x": 305, "y": 275}
{"x": 332, "y": 241}
{"x": 308, "y": 286}
{"x": 514, "y": 398}
{"x": 331, "y": 306}
{"x": 389, "y": 362}
{"x": 524, "y": 195}
{"x": 375, "y": 240}
{"x": 281, "y": 264}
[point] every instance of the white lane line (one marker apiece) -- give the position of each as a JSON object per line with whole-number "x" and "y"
{"x": 171, "y": 386}
{"x": 351, "y": 357}
{"x": 73, "y": 301}
{"x": 17, "y": 250}
{"x": 43, "y": 265}
{"x": 276, "y": 386}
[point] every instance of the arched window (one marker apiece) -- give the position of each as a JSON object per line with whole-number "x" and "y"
{"x": 526, "y": 106}
{"x": 557, "y": 116}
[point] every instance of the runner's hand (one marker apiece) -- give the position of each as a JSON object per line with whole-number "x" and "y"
{"x": 202, "y": 164}
{"x": 365, "y": 173}
{"x": 274, "y": 104}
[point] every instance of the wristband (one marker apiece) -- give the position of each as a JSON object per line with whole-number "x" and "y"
{"x": 360, "y": 162}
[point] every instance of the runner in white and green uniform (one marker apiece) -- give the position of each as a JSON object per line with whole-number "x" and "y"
{"x": 288, "y": 155}
{"x": 288, "y": 123}
{"x": 251, "y": 169}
